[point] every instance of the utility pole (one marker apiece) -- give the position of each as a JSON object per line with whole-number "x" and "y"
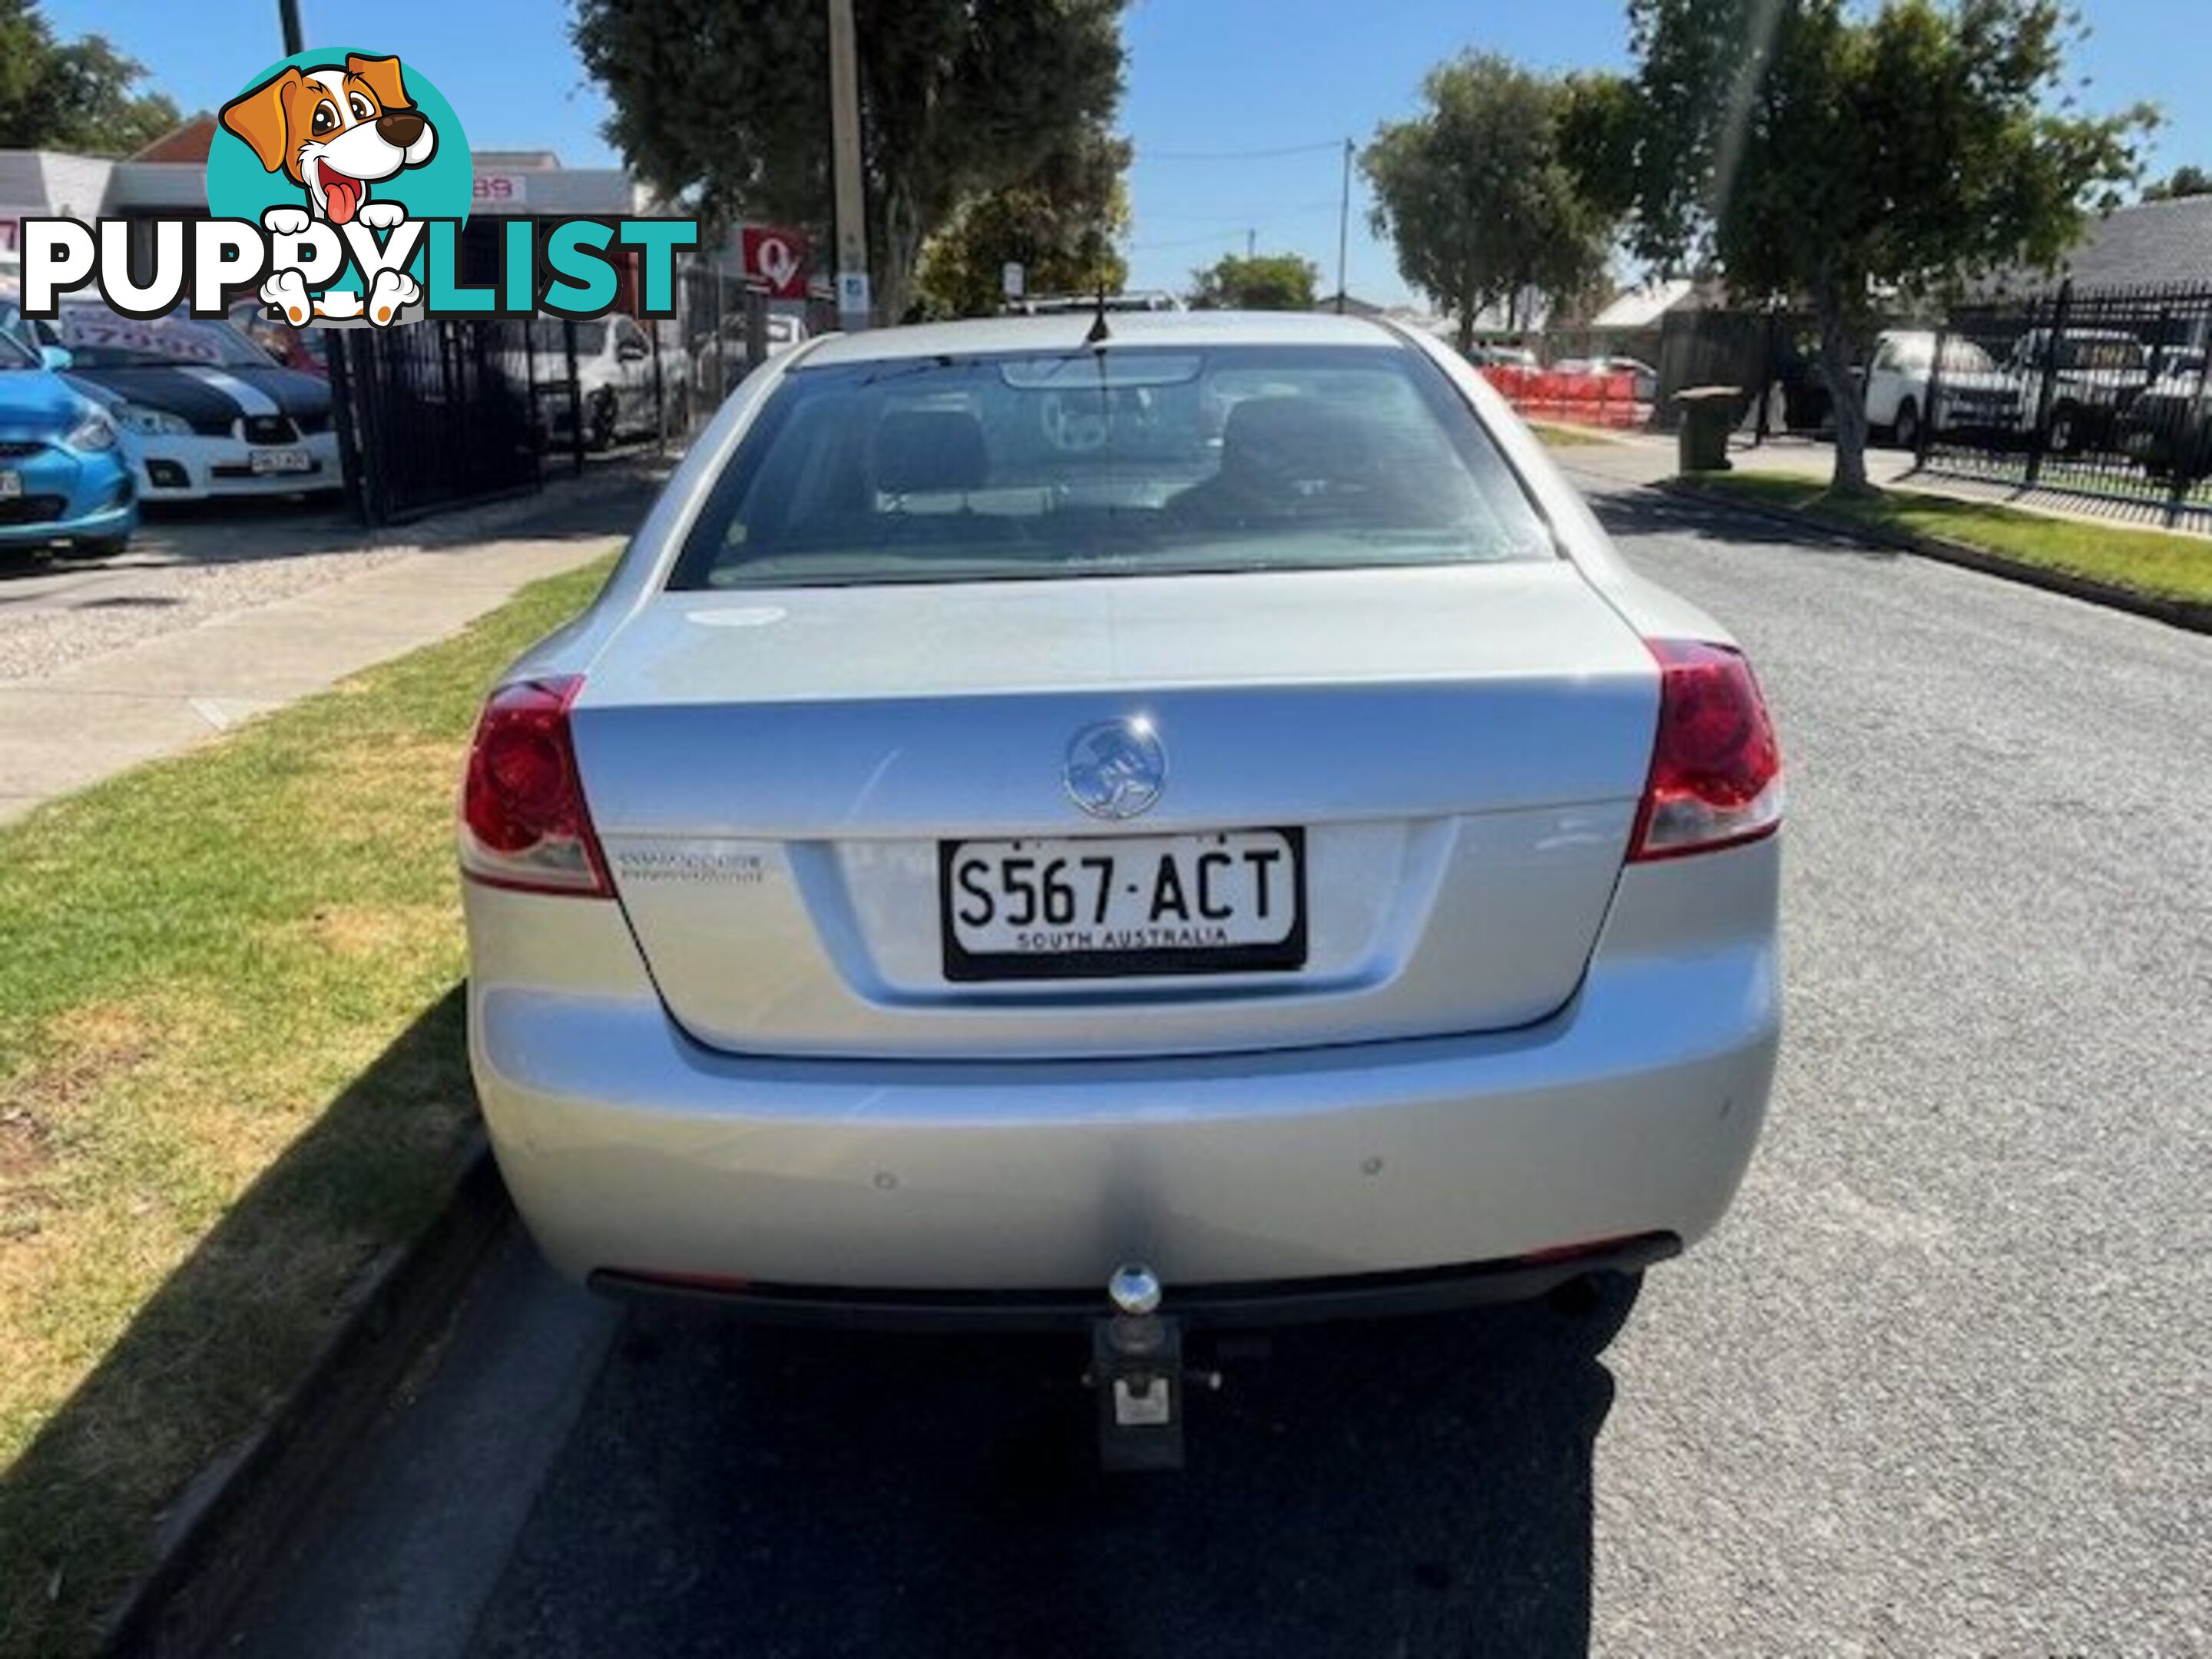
{"x": 1343, "y": 225}
{"x": 854, "y": 303}
{"x": 1251, "y": 241}
{"x": 288, "y": 13}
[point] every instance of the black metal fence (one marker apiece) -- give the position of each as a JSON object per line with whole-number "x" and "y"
{"x": 433, "y": 415}
{"x": 1744, "y": 350}
{"x": 2102, "y": 394}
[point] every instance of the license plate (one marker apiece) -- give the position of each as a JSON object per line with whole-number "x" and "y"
{"x": 265, "y": 461}
{"x": 11, "y": 485}
{"x": 1102, "y": 907}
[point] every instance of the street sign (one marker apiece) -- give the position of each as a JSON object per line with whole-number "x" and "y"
{"x": 1012, "y": 278}
{"x": 776, "y": 259}
{"x": 853, "y": 298}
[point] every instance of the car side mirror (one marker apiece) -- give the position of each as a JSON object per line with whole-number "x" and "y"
{"x": 56, "y": 357}
{"x": 630, "y": 352}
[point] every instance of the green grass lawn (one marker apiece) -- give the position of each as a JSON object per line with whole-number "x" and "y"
{"x": 231, "y": 1074}
{"x": 2160, "y": 563}
{"x": 1568, "y": 437}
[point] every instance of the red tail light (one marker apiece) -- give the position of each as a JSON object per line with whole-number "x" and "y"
{"x": 524, "y": 823}
{"x": 1715, "y": 769}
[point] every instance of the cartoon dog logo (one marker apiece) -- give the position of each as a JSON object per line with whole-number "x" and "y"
{"x": 335, "y": 132}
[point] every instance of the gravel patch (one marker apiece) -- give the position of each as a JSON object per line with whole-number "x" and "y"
{"x": 88, "y": 612}
{"x": 188, "y": 568}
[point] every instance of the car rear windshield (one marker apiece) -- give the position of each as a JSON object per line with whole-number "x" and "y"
{"x": 1125, "y": 461}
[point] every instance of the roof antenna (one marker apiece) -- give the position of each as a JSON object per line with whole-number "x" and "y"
{"x": 1099, "y": 333}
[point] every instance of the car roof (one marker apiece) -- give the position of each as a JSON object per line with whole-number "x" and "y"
{"x": 1065, "y": 333}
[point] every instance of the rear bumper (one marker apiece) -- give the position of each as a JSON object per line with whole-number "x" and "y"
{"x": 1204, "y": 1307}
{"x": 632, "y": 1150}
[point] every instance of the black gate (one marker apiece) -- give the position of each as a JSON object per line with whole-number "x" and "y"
{"x": 433, "y": 415}
{"x": 2102, "y": 394}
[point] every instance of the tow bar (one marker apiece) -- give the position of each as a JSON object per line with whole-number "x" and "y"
{"x": 1137, "y": 1368}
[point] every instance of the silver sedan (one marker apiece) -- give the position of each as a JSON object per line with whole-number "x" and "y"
{"x": 1207, "y": 797}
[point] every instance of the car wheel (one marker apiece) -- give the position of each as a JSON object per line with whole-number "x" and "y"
{"x": 2065, "y": 431}
{"x": 601, "y": 420}
{"x": 1907, "y": 433}
{"x": 2193, "y": 459}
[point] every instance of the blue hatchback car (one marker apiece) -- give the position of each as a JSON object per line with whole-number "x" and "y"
{"x": 64, "y": 476}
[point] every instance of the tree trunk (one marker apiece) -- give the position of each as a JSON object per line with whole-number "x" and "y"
{"x": 1846, "y": 390}
{"x": 902, "y": 246}
{"x": 1465, "y": 333}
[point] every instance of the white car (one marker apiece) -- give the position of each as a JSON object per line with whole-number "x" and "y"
{"x": 617, "y": 395}
{"x": 967, "y": 856}
{"x": 1975, "y": 394}
{"x": 1643, "y": 379}
{"x": 727, "y": 360}
{"x": 203, "y": 411}
{"x": 1087, "y": 305}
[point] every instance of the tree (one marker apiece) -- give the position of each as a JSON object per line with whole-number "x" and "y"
{"x": 725, "y": 104}
{"x": 1476, "y": 197}
{"x": 1263, "y": 282}
{"x": 1060, "y": 224}
{"x": 2185, "y": 181}
{"x": 1810, "y": 150}
{"x": 76, "y": 96}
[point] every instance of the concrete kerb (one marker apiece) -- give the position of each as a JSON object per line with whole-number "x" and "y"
{"x": 228, "y": 1531}
{"x": 230, "y": 1526}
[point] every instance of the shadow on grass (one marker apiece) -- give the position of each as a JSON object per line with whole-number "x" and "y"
{"x": 218, "y": 1347}
{"x": 1419, "y": 1487}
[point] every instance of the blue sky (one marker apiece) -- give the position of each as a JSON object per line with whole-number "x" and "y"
{"x": 1206, "y": 77}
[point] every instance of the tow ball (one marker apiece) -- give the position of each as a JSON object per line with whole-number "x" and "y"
{"x": 1137, "y": 1368}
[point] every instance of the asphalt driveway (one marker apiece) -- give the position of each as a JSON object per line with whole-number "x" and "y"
{"x": 1938, "y": 1387}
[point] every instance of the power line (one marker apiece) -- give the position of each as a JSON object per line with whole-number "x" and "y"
{"x": 1228, "y": 235}
{"x": 1143, "y": 155}
{"x": 1269, "y": 226}
{"x": 1275, "y": 210}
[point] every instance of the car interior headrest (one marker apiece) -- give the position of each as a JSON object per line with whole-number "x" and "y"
{"x": 930, "y": 450}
